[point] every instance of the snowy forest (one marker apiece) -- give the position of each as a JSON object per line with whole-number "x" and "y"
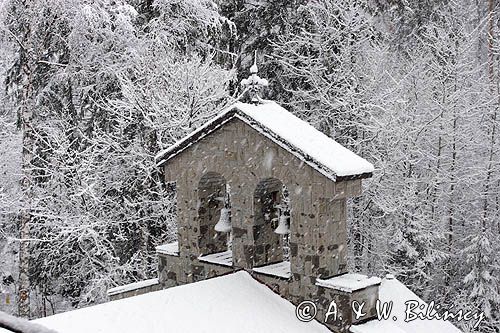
{"x": 92, "y": 90}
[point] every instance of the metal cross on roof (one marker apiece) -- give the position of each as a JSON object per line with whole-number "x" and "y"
{"x": 254, "y": 83}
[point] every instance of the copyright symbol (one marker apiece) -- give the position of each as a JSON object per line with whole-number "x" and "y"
{"x": 306, "y": 311}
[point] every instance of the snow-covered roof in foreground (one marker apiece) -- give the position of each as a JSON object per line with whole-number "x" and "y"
{"x": 297, "y": 136}
{"x": 398, "y": 293}
{"x": 230, "y": 303}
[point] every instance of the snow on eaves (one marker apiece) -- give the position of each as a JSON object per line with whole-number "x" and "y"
{"x": 291, "y": 133}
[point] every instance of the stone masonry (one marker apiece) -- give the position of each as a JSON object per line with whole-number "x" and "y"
{"x": 255, "y": 168}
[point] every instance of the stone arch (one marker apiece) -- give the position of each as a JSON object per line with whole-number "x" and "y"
{"x": 211, "y": 193}
{"x": 268, "y": 245}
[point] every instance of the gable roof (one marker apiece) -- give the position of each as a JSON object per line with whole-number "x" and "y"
{"x": 230, "y": 303}
{"x": 234, "y": 302}
{"x": 288, "y": 131}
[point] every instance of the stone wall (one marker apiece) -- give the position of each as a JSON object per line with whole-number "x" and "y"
{"x": 172, "y": 271}
{"x": 244, "y": 158}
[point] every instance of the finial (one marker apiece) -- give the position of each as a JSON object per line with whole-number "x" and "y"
{"x": 254, "y": 69}
{"x": 254, "y": 83}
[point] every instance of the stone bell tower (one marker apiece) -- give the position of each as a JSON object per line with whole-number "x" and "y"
{"x": 260, "y": 190}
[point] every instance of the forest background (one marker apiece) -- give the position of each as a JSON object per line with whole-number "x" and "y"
{"x": 90, "y": 91}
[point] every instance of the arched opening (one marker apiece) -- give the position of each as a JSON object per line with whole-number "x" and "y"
{"x": 271, "y": 223}
{"x": 214, "y": 219}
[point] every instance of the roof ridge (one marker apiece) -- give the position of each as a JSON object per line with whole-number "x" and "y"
{"x": 290, "y": 132}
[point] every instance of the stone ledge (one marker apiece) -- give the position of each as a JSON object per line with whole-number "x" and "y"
{"x": 346, "y": 289}
{"x": 170, "y": 249}
{"x": 349, "y": 282}
{"x": 221, "y": 258}
{"x": 134, "y": 289}
{"x": 279, "y": 269}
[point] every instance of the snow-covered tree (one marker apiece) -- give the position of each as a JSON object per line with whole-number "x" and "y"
{"x": 97, "y": 206}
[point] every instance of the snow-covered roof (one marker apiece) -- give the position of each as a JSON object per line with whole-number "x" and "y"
{"x": 234, "y": 302}
{"x": 230, "y": 303}
{"x": 393, "y": 290}
{"x": 293, "y": 134}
